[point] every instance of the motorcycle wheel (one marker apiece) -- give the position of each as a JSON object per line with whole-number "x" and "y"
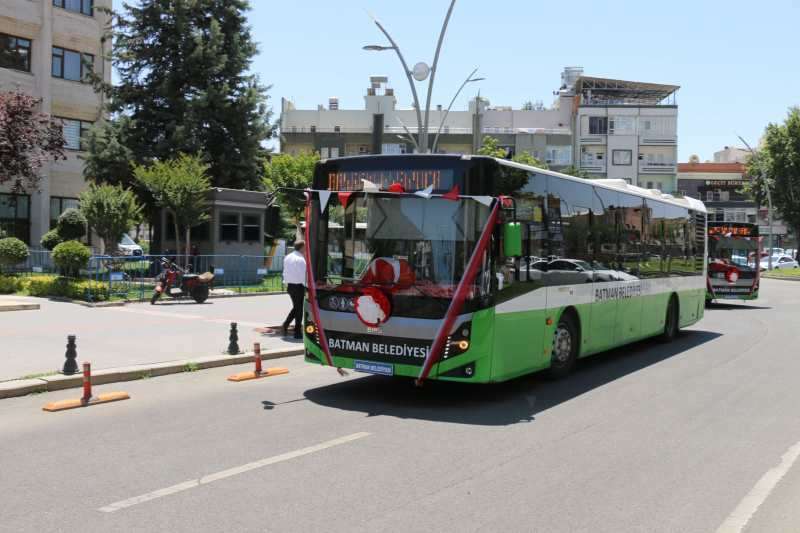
{"x": 200, "y": 293}
{"x": 155, "y": 297}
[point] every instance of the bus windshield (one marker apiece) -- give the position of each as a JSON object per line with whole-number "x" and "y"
{"x": 734, "y": 250}
{"x": 413, "y": 245}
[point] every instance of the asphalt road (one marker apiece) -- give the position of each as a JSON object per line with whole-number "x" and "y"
{"x": 34, "y": 341}
{"x": 686, "y": 437}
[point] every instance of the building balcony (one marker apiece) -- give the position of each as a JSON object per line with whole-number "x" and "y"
{"x": 647, "y": 167}
{"x": 657, "y": 139}
{"x": 595, "y": 167}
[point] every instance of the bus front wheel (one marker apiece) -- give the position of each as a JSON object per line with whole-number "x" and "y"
{"x": 671, "y": 324}
{"x": 565, "y": 347}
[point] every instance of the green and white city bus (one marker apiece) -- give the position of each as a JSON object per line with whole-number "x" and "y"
{"x": 734, "y": 260}
{"x": 474, "y": 269}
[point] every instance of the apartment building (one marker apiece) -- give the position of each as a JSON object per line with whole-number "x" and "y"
{"x": 44, "y": 48}
{"x": 610, "y": 128}
{"x": 719, "y": 186}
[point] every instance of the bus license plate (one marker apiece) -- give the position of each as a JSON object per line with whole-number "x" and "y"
{"x": 369, "y": 367}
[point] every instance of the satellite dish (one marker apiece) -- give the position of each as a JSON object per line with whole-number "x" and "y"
{"x": 421, "y": 71}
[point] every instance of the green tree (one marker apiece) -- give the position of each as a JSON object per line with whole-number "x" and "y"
{"x": 70, "y": 257}
{"x": 71, "y": 225}
{"x": 526, "y": 158}
{"x": 28, "y": 139}
{"x": 12, "y": 252}
{"x": 181, "y": 187}
{"x": 184, "y": 86}
{"x": 50, "y": 240}
{"x": 287, "y": 175}
{"x": 576, "y": 171}
{"x": 111, "y": 210}
{"x": 780, "y": 159}
{"x": 491, "y": 147}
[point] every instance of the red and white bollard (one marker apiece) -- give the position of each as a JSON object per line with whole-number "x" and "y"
{"x": 86, "y": 400}
{"x": 257, "y": 357}
{"x": 259, "y": 372}
{"x": 87, "y": 382}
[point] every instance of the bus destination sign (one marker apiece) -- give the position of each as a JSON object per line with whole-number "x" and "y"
{"x": 411, "y": 180}
{"x": 733, "y": 231}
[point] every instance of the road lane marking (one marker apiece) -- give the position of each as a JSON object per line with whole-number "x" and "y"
{"x": 224, "y": 474}
{"x": 740, "y": 516}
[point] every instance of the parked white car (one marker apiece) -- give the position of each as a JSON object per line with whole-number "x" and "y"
{"x": 128, "y": 246}
{"x": 779, "y": 262}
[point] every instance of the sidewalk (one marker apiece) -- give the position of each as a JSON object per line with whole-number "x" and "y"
{"x": 34, "y": 342}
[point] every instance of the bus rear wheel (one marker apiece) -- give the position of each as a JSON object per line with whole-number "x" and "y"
{"x": 564, "y": 353}
{"x": 671, "y": 324}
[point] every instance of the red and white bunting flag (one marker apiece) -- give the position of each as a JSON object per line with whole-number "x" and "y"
{"x": 324, "y": 197}
{"x": 344, "y": 198}
{"x": 452, "y": 194}
{"x": 427, "y": 193}
{"x": 369, "y": 186}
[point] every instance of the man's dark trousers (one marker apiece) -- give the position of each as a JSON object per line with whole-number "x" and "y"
{"x": 296, "y": 292}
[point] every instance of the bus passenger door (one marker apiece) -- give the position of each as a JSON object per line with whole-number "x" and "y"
{"x": 605, "y": 226}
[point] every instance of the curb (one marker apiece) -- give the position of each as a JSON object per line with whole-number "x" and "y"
{"x": 23, "y": 387}
{"x": 16, "y": 306}
{"x": 783, "y": 278}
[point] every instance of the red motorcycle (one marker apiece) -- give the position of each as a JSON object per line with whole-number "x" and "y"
{"x": 177, "y": 282}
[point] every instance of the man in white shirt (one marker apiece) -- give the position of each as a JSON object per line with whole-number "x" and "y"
{"x": 294, "y": 276}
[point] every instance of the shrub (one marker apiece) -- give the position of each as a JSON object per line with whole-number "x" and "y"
{"x": 10, "y": 284}
{"x": 70, "y": 257}
{"x": 52, "y": 286}
{"x": 50, "y": 240}
{"x": 71, "y": 225}
{"x": 12, "y": 252}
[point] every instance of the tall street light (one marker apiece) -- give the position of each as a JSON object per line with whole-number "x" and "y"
{"x": 420, "y": 72}
{"x": 469, "y": 79}
{"x": 769, "y": 201}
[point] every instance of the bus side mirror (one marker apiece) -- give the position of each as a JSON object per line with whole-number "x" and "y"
{"x": 512, "y": 239}
{"x": 272, "y": 221}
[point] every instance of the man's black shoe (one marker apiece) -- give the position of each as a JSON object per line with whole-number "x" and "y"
{"x": 285, "y": 330}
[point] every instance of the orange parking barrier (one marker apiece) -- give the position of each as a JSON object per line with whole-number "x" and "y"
{"x": 258, "y": 373}
{"x": 86, "y": 400}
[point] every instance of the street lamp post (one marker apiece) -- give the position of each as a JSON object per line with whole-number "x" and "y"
{"x": 469, "y": 79}
{"x": 420, "y": 73}
{"x": 769, "y": 202}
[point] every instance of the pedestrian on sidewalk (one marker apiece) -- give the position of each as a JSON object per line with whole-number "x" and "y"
{"x": 294, "y": 276}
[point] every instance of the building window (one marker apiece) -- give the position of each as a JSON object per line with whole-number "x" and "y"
{"x": 15, "y": 216}
{"x": 621, "y": 126}
{"x": 559, "y": 155}
{"x": 15, "y": 52}
{"x": 647, "y": 125}
{"x": 75, "y": 133}
{"x": 58, "y": 205}
{"x": 71, "y": 65}
{"x": 329, "y": 152}
{"x": 85, "y": 7}
{"x": 229, "y": 227}
{"x": 251, "y": 228}
{"x": 598, "y": 125}
{"x": 622, "y": 157}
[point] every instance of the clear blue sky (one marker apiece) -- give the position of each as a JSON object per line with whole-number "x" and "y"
{"x": 737, "y": 62}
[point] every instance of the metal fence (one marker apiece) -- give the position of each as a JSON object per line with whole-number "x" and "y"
{"x": 134, "y": 277}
